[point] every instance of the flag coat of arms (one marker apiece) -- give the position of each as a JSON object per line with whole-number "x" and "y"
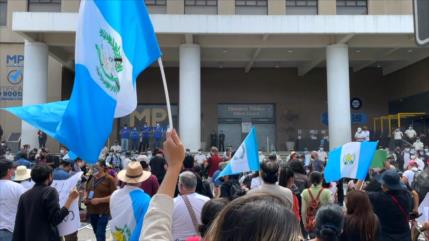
{"x": 351, "y": 160}
{"x": 246, "y": 158}
{"x": 115, "y": 42}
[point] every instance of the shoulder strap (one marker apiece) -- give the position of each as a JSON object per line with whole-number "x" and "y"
{"x": 320, "y": 192}
{"x": 395, "y": 201}
{"x": 191, "y": 212}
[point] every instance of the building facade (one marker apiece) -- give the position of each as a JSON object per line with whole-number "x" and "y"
{"x": 284, "y": 66}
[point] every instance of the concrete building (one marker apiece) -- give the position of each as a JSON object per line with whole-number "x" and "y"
{"x": 281, "y": 65}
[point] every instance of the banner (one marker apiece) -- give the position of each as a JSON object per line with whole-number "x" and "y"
{"x": 71, "y": 223}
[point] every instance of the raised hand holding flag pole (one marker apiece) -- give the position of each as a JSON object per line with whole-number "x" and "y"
{"x": 115, "y": 42}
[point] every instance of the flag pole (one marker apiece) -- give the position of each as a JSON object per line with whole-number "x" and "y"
{"x": 167, "y": 97}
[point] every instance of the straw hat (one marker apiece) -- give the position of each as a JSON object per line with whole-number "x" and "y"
{"x": 134, "y": 173}
{"x": 22, "y": 173}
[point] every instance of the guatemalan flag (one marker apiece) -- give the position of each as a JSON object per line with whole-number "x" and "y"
{"x": 351, "y": 160}
{"x": 245, "y": 159}
{"x": 115, "y": 42}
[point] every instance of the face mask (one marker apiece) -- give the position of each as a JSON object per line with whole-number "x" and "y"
{"x": 413, "y": 157}
{"x": 62, "y": 151}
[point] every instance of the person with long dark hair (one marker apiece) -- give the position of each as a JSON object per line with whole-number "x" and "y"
{"x": 329, "y": 223}
{"x": 361, "y": 223}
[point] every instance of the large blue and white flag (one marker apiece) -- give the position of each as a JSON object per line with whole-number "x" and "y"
{"x": 115, "y": 42}
{"x": 351, "y": 160}
{"x": 246, "y": 158}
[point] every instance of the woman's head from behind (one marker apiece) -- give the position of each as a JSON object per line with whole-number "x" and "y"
{"x": 360, "y": 216}
{"x": 329, "y": 222}
{"x": 255, "y": 217}
{"x": 209, "y": 212}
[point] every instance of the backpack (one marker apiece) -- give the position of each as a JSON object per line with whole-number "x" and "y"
{"x": 421, "y": 184}
{"x": 310, "y": 222}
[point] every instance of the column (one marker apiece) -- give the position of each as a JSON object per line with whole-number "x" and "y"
{"x": 337, "y": 69}
{"x": 190, "y": 96}
{"x": 35, "y": 85}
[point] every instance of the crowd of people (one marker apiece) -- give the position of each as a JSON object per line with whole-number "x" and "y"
{"x": 173, "y": 194}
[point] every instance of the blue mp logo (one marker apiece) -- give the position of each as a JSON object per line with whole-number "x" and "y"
{"x": 15, "y": 76}
{"x": 16, "y": 60}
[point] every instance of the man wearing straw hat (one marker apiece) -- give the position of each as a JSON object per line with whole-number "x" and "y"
{"x": 10, "y": 192}
{"x": 23, "y": 176}
{"x": 129, "y": 204}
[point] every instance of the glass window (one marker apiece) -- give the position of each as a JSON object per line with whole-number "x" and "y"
{"x": 200, "y": 6}
{"x": 3, "y": 12}
{"x": 301, "y": 7}
{"x": 251, "y": 7}
{"x": 156, "y": 6}
{"x": 44, "y": 5}
{"x": 352, "y": 7}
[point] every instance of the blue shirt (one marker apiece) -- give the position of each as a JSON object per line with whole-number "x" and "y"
{"x": 60, "y": 174}
{"x": 146, "y": 132}
{"x": 135, "y": 135}
{"x": 125, "y": 133}
{"x": 157, "y": 133}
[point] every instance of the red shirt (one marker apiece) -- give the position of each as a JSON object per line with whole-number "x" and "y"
{"x": 213, "y": 164}
{"x": 150, "y": 186}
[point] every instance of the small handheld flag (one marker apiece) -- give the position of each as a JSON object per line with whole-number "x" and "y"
{"x": 351, "y": 160}
{"x": 246, "y": 157}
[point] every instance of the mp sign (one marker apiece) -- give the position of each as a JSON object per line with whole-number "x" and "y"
{"x": 421, "y": 21}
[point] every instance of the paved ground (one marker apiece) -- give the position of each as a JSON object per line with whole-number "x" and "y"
{"x": 86, "y": 234}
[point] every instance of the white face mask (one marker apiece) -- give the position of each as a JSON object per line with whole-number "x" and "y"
{"x": 62, "y": 151}
{"x": 413, "y": 157}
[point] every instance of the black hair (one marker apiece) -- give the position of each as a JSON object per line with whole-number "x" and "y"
{"x": 329, "y": 222}
{"x": 209, "y": 212}
{"x": 316, "y": 178}
{"x": 65, "y": 163}
{"x": 188, "y": 162}
{"x": 272, "y": 157}
{"x": 40, "y": 173}
{"x": 144, "y": 164}
{"x": 297, "y": 167}
{"x": 102, "y": 163}
{"x": 270, "y": 171}
{"x": 5, "y": 165}
{"x": 285, "y": 174}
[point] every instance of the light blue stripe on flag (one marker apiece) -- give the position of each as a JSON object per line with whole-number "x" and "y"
{"x": 351, "y": 160}
{"x": 246, "y": 157}
{"x": 333, "y": 170}
{"x": 140, "y": 201}
{"x": 367, "y": 152}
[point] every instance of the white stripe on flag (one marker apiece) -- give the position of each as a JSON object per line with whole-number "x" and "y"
{"x": 349, "y": 159}
{"x": 239, "y": 163}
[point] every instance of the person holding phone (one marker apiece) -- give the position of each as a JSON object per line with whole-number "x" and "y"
{"x": 98, "y": 190}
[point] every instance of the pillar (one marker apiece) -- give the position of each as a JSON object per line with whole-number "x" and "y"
{"x": 337, "y": 69}
{"x": 190, "y": 96}
{"x": 35, "y": 85}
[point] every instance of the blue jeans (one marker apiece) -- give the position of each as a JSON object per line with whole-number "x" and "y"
{"x": 99, "y": 223}
{"x": 5, "y": 235}
{"x": 124, "y": 144}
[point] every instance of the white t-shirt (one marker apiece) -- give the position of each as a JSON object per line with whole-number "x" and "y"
{"x": 420, "y": 164}
{"x": 367, "y": 134}
{"x": 322, "y": 155}
{"x": 418, "y": 145}
{"x": 411, "y": 133}
{"x": 360, "y": 136}
{"x": 200, "y": 158}
{"x": 9, "y": 198}
{"x": 182, "y": 226}
{"x": 397, "y": 135}
{"x": 409, "y": 174}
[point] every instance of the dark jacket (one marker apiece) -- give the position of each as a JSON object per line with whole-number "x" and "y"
{"x": 393, "y": 220}
{"x": 38, "y": 215}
